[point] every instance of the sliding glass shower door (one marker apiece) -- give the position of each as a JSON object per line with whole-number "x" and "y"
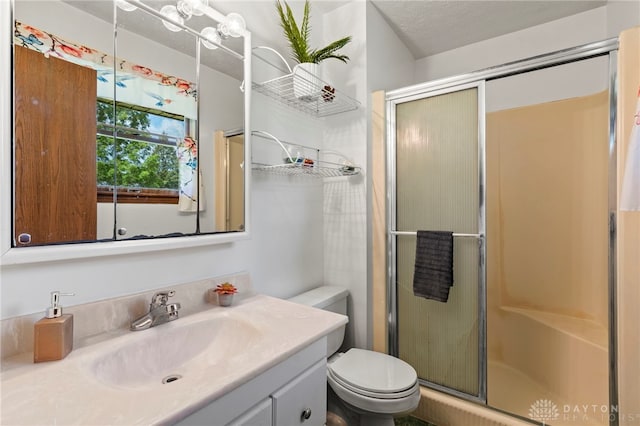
{"x": 519, "y": 163}
{"x": 438, "y": 157}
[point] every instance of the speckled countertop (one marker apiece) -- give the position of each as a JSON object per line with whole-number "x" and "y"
{"x": 81, "y": 389}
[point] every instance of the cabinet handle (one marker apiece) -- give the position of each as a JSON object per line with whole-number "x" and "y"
{"x": 306, "y": 414}
{"x": 24, "y": 239}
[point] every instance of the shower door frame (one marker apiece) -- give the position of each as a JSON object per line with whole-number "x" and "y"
{"x": 481, "y": 225}
{"x": 608, "y": 48}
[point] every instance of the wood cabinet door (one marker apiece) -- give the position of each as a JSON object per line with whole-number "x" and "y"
{"x": 55, "y": 149}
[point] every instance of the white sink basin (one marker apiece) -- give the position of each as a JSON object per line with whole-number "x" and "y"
{"x": 174, "y": 350}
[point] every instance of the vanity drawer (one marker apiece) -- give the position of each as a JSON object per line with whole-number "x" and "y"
{"x": 302, "y": 401}
{"x": 259, "y": 415}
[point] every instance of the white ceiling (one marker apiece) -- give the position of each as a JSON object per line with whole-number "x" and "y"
{"x": 428, "y": 27}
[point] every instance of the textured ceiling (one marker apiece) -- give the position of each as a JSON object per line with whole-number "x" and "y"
{"x": 428, "y": 27}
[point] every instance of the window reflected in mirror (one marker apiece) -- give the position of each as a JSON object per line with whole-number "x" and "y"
{"x": 146, "y": 147}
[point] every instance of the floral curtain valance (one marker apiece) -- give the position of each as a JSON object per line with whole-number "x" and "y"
{"x": 134, "y": 84}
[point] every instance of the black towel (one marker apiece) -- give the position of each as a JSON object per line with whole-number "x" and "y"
{"x": 433, "y": 274}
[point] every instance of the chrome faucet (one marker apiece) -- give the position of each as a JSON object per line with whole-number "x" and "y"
{"x": 159, "y": 312}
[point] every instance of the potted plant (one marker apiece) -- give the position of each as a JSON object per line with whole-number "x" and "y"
{"x": 308, "y": 86}
{"x": 225, "y": 293}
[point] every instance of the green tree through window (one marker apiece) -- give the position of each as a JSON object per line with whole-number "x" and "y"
{"x": 141, "y": 161}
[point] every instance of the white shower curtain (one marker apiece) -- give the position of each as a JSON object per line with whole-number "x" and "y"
{"x": 630, "y": 197}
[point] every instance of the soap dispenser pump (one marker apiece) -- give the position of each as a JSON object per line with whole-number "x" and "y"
{"x": 53, "y": 334}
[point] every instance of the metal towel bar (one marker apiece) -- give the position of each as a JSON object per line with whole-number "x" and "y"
{"x": 455, "y": 234}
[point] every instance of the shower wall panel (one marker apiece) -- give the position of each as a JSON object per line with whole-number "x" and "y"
{"x": 547, "y": 260}
{"x": 547, "y": 171}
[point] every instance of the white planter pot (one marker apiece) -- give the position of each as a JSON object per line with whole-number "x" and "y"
{"x": 306, "y": 84}
{"x": 225, "y": 299}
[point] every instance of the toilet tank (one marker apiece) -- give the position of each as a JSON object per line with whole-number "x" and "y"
{"x": 330, "y": 298}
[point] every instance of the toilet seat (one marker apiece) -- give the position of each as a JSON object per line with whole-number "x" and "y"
{"x": 371, "y": 394}
{"x": 374, "y": 382}
{"x": 365, "y": 404}
{"x": 373, "y": 373}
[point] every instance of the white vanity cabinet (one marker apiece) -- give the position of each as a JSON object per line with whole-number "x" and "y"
{"x": 302, "y": 401}
{"x": 291, "y": 393}
{"x": 260, "y": 415}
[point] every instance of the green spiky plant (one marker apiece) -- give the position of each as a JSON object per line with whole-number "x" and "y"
{"x": 298, "y": 37}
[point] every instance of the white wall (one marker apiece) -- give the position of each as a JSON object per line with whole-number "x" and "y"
{"x": 345, "y": 207}
{"x": 287, "y": 210}
{"x": 390, "y": 64}
{"x": 566, "y": 81}
{"x": 143, "y": 219}
{"x": 622, "y": 15}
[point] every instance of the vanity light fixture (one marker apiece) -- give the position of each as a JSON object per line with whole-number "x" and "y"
{"x": 191, "y": 7}
{"x": 210, "y": 38}
{"x": 181, "y": 12}
{"x": 172, "y": 13}
{"x": 185, "y": 9}
{"x": 125, "y": 5}
{"x": 233, "y": 25}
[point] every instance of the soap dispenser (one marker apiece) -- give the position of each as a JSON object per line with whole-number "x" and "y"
{"x": 53, "y": 334}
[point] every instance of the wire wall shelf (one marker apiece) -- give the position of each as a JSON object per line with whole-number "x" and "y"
{"x": 323, "y": 169}
{"x": 300, "y": 160}
{"x": 304, "y": 91}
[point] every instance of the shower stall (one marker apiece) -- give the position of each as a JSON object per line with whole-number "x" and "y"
{"x": 518, "y": 162}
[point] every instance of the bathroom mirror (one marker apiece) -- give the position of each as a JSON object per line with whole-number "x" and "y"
{"x": 116, "y": 115}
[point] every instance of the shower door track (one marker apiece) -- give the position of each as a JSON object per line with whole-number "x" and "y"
{"x": 608, "y": 48}
{"x": 547, "y": 60}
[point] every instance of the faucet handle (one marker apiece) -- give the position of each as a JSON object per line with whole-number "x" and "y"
{"x": 163, "y": 296}
{"x": 173, "y": 308}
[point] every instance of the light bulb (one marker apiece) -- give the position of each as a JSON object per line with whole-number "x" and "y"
{"x": 185, "y": 9}
{"x": 126, "y": 6}
{"x": 210, "y": 35}
{"x": 196, "y": 4}
{"x": 171, "y": 12}
{"x": 233, "y": 25}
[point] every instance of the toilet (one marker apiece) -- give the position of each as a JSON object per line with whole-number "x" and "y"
{"x": 376, "y": 386}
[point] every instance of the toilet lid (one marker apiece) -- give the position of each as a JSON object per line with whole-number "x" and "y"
{"x": 373, "y": 372}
